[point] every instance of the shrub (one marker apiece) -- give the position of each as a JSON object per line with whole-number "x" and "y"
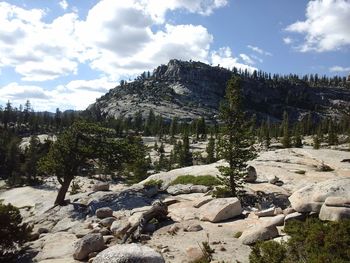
{"x": 237, "y": 234}
{"x": 267, "y": 252}
{"x": 222, "y": 192}
{"x": 154, "y": 182}
{"x": 75, "y": 188}
{"x": 13, "y": 233}
{"x": 206, "y": 180}
{"x": 311, "y": 241}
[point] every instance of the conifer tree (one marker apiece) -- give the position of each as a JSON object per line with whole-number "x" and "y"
{"x": 211, "y": 150}
{"x": 286, "y": 136}
{"x": 185, "y": 154}
{"x": 297, "y": 137}
{"x": 235, "y": 146}
{"x": 332, "y": 135}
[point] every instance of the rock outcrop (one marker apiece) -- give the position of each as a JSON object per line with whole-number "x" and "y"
{"x": 128, "y": 253}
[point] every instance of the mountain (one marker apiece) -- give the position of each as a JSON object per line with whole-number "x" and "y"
{"x": 189, "y": 90}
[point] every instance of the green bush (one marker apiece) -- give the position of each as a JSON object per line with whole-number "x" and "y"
{"x": 206, "y": 180}
{"x": 13, "y": 233}
{"x": 153, "y": 182}
{"x": 312, "y": 241}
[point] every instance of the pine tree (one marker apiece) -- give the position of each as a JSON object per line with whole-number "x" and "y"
{"x": 185, "y": 154}
{"x": 211, "y": 150}
{"x": 286, "y": 136}
{"x": 236, "y": 146}
{"x": 332, "y": 135}
{"x": 297, "y": 137}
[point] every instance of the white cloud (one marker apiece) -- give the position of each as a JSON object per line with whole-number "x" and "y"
{"x": 63, "y": 4}
{"x": 247, "y": 59}
{"x": 259, "y": 50}
{"x": 36, "y": 50}
{"x": 287, "y": 40}
{"x": 77, "y": 94}
{"x": 326, "y": 27}
{"x": 224, "y": 58}
{"x": 339, "y": 69}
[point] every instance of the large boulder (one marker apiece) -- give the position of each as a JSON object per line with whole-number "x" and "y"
{"x": 179, "y": 189}
{"x": 311, "y": 198}
{"x": 260, "y": 233}
{"x": 128, "y": 253}
{"x": 220, "y": 209}
{"x": 335, "y": 209}
{"x": 87, "y": 244}
{"x": 104, "y": 212}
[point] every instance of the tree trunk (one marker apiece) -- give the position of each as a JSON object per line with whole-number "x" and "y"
{"x": 62, "y": 191}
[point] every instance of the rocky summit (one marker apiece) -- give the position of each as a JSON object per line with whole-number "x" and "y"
{"x": 189, "y": 90}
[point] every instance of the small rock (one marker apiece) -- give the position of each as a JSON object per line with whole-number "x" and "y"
{"x": 87, "y": 244}
{"x": 267, "y": 212}
{"x": 277, "y": 220}
{"x": 104, "y": 212}
{"x": 107, "y": 222}
{"x": 173, "y": 229}
{"x": 193, "y": 228}
{"x": 194, "y": 254}
{"x": 105, "y": 232}
{"x": 165, "y": 250}
{"x": 274, "y": 180}
{"x": 120, "y": 227}
{"x": 288, "y": 210}
{"x": 100, "y": 187}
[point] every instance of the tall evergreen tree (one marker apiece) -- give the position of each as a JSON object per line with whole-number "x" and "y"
{"x": 211, "y": 150}
{"x": 286, "y": 142}
{"x": 236, "y": 146}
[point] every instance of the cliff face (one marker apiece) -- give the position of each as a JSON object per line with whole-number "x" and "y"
{"x": 190, "y": 90}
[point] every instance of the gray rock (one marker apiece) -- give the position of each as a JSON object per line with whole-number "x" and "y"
{"x": 193, "y": 228}
{"x": 194, "y": 254}
{"x": 87, "y": 244}
{"x": 335, "y": 209}
{"x": 199, "y": 189}
{"x": 100, "y": 187}
{"x": 120, "y": 227}
{"x": 179, "y": 189}
{"x": 104, "y": 212}
{"x": 259, "y": 233}
{"x": 251, "y": 175}
{"x": 274, "y": 180}
{"x": 311, "y": 198}
{"x": 267, "y": 212}
{"x": 220, "y": 209}
{"x": 108, "y": 221}
{"x": 129, "y": 253}
{"x": 277, "y": 220}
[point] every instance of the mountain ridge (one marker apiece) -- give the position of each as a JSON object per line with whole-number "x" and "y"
{"x": 189, "y": 90}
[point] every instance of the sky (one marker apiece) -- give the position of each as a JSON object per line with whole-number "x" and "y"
{"x": 66, "y": 53}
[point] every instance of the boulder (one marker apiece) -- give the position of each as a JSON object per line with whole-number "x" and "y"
{"x": 194, "y": 254}
{"x": 128, "y": 253}
{"x": 277, "y": 220}
{"x": 266, "y": 212}
{"x": 87, "y": 244}
{"x": 260, "y": 233}
{"x": 311, "y": 198}
{"x": 274, "y": 180}
{"x": 251, "y": 175}
{"x": 107, "y": 222}
{"x": 179, "y": 189}
{"x": 335, "y": 209}
{"x": 100, "y": 187}
{"x": 220, "y": 209}
{"x": 119, "y": 228}
{"x": 104, "y": 212}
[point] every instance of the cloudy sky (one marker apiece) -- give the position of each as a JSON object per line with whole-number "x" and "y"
{"x": 68, "y": 53}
